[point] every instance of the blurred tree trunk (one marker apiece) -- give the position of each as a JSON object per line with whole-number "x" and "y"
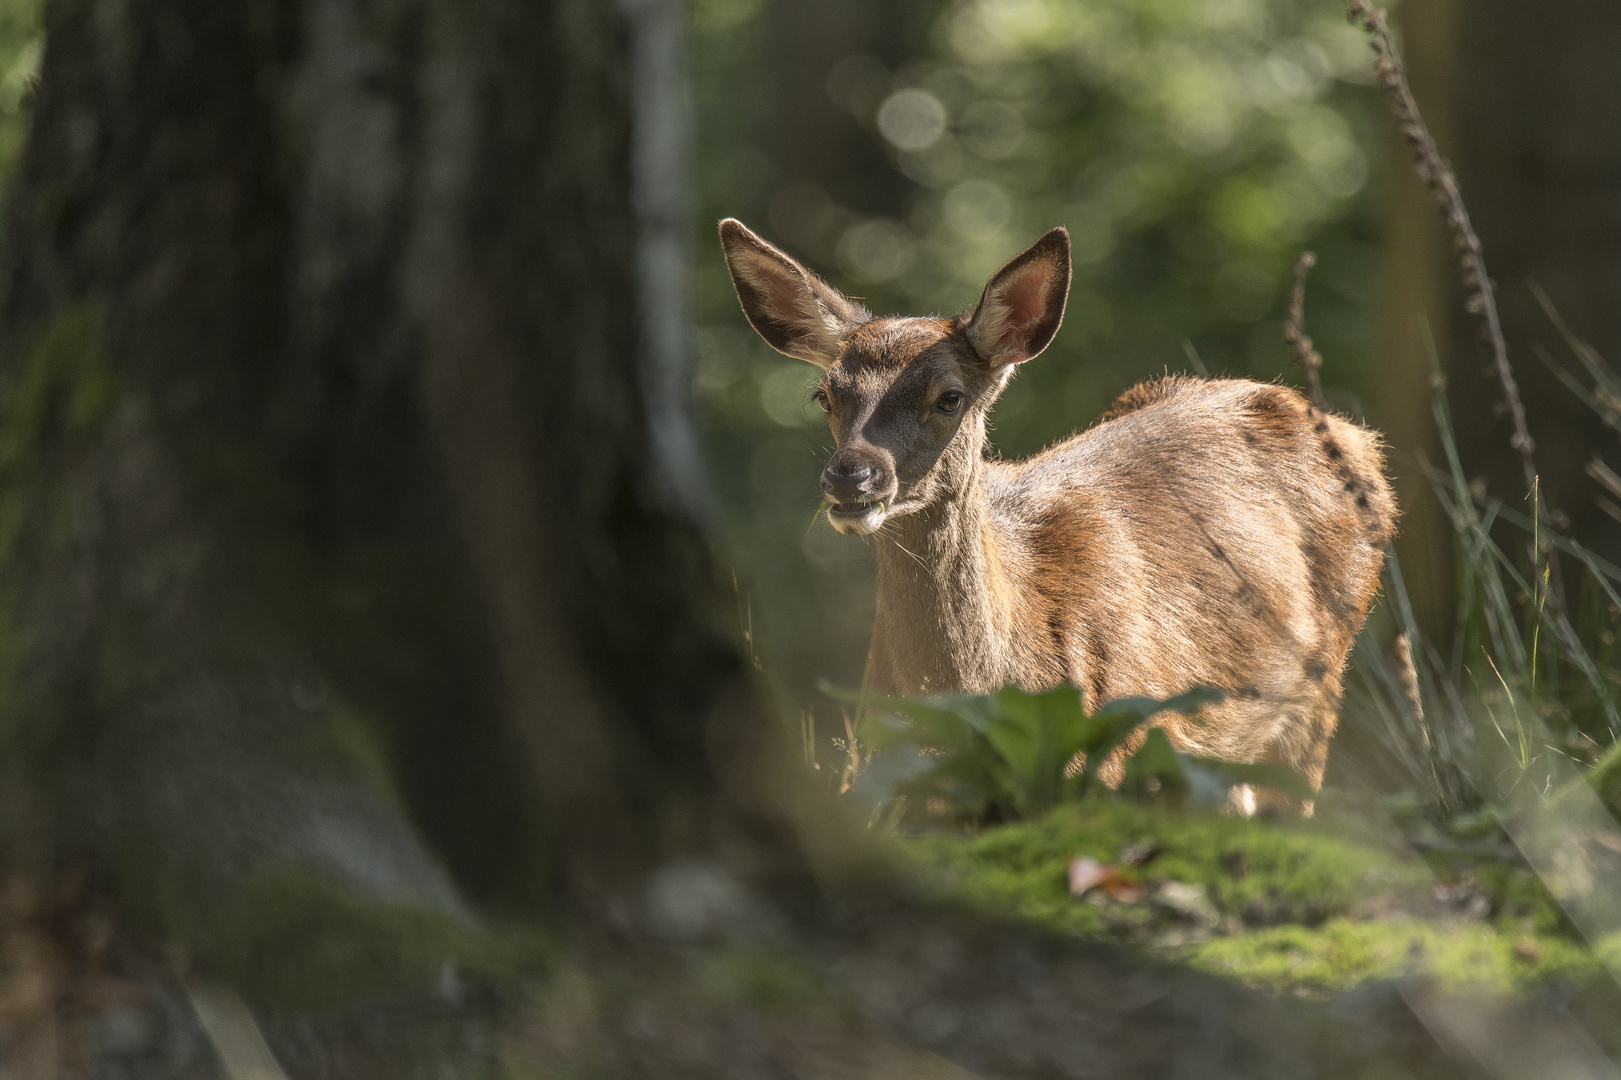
{"x": 826, "y": 68}
{"x": 1418, "y": 294}
{"x": 332, "y": 518}
{"x": 812, "y": 138}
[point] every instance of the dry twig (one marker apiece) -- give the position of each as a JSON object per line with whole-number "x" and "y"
{"x": 1407, "y": 675}
{"x": 1294, "y": 332}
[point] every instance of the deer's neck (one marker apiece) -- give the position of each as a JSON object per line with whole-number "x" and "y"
{"x": 945, "y": 598}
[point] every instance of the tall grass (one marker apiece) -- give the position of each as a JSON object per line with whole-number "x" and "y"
{"x": 1529, "y": 658}
{"x": 1529, "y": 664}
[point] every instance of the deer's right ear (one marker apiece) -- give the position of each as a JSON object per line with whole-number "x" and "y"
{"x": 797, "y": 313}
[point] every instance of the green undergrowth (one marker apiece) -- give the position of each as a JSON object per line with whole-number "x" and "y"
{"x": 1287, "y": 905}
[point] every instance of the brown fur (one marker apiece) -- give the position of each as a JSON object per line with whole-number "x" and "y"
{"x": 1215, "y": 532}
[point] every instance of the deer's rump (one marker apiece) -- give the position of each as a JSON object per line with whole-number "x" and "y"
{"x": 1206, "y": 532}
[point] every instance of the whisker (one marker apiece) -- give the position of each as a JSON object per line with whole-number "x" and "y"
{"x": 903, "y": 547}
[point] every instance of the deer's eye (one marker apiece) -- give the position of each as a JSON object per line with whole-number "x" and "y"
{"x": 950, "y": 401}
{"x": 821, "y": 399}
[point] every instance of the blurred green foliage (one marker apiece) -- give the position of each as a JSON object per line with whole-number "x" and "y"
{"x": 1192, "y": 148}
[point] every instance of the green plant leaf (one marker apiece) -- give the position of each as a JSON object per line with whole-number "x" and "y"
{"x": 1155, "y": 760}
{"x": 1157, "y": 770}
{"x": 1009, "y": 751}
{"x": 1122, "y": 716}
{"x": 1038, "y": 735}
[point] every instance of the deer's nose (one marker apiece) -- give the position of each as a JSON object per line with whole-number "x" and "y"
{"x": 845, "y": 481}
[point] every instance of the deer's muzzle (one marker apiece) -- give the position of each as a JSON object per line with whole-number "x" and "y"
{"x": 858, "y": 490}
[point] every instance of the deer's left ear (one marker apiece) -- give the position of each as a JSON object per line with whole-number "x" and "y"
{"x": 1023, "y": 303}
{"x": 796, "y": 312}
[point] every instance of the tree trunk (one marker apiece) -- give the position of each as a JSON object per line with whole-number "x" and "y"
{"x": 329, "y": 485}
{"x": 1418, "y": 295}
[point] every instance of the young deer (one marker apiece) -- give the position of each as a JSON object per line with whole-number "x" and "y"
{"x": 1215, "y": 532}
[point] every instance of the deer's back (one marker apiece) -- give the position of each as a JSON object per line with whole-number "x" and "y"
{"x": 1216, "y": 532}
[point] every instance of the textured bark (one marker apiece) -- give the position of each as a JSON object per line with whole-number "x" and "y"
{"x": 325, "y": 420}
{"x": 1523, "y": 101}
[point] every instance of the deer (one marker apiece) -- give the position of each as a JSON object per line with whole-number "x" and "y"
{"x": 1216, "y": 532}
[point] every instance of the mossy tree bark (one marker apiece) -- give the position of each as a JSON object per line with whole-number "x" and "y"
{"x": 332, "y": 521}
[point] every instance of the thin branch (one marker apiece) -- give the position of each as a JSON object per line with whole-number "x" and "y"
{"x": 1437, "y": 175}
{"x": 1306, "y": 356}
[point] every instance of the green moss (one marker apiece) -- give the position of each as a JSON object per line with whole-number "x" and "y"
{"x": 1288, "y": 873}
{"x": 1288, "y": 897}
{"x": 295, "y": 938}
{"x": 63, "y": 387}
{"x": 341, "y": 743}
{"x": 1474, "y": 957}
{"x": 55, "y": 400}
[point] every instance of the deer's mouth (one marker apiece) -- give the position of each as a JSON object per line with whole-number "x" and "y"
{"x": 856, "y": 518}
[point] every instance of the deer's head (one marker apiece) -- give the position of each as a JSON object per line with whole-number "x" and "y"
{"x": 906, "y": 397}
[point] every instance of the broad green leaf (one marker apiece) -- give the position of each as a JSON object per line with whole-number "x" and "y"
{"x": 1011, "y": 749}
{"x": 1154, "y": 760}
{"x": 1123, "y": 716}
{"x": 1040, "y": 736}
{"x": 946, "y": 721}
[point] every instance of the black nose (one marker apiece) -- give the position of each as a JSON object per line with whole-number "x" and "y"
{"x": 850, "y": 474}
{"x": 842, "y": 479}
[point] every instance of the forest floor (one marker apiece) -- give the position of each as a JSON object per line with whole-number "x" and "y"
{"x": 1300, "y": 906}
{"x": 1200, "y": 945}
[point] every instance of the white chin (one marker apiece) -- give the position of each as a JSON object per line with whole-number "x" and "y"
{"x": 858, "y": 524}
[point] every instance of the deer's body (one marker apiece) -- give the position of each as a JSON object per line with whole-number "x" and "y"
{"x": 1201, "y": 535}
{"x": 1214, "y": 532}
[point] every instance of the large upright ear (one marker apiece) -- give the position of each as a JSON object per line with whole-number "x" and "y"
{"x": 796, "y": 312}
{"x": 1023, "y": 303}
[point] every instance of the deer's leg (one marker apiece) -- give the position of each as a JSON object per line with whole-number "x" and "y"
{"x": 1302, "y": 747}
